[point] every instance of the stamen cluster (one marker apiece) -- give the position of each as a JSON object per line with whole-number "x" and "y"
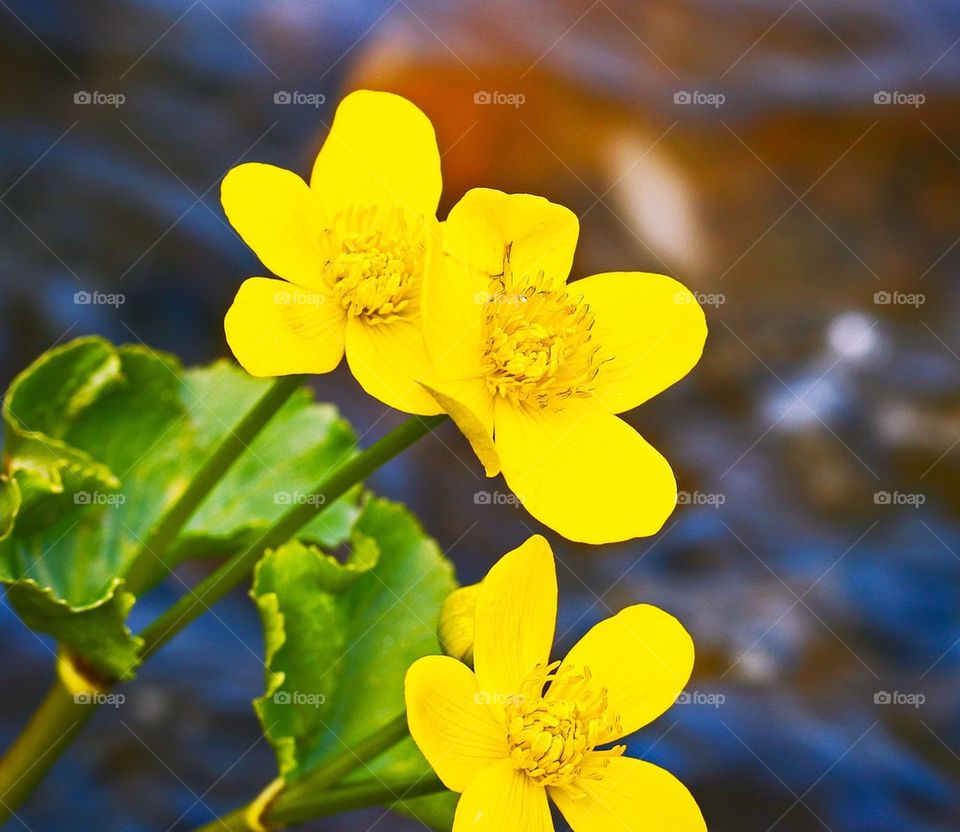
{"x": 537, "y": 346}
{"x": 552, "y": 734}
{"x": 376, "y": 263}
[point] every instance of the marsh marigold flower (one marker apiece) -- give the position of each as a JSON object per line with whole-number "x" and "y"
{"x": 533, "y": 369}
{"x": 519, "y": 729}
{"x": 352, "y": 249}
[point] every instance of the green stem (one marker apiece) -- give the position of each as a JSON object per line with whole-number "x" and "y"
{"x": 152, "y": 560}
{"x": 325, "y": 776}
{"x": 50, "y": 730}
{"x": 231, "y": 573}
{"x": 289, "y": 810}
{"x": 347, "y": 798}
{"x": 350, "y": 759}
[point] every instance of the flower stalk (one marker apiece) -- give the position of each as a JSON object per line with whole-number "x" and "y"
{"x": 290, "y": 809}
{"x": 51, "y": 729}
{"x": 337, "y": 483}
{"x": 321, "y": 780}
{"x": 152, "y": 560}
{"x": 347, "y": 798}
{"x": 350, "y": 759}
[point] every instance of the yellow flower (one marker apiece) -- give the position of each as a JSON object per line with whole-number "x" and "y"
{"x": 352, "y": 248}
{"x": 519, "y": 729}
{"x": 533, "y": 370}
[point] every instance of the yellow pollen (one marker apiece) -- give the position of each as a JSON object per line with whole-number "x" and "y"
{"x": 538, "y": 347}
{"x": 375, "y": 264}
{"x": 553, "y": 734}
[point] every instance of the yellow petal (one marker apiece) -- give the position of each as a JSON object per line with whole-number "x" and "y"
{"x": 643, "y": 657}
{"x": 453, "y": 302}
{"x": 502, "y": 799}
{"x": 457, "y": 733}
{"x": 276, "y": 214}
{"x": 381, "y": 149}
{"x": 386, "y": 358}
{"x": 516, "y": 617}
{"x": 457, "y": 625}
{"x": 632, "y": 795}
{"x": 542, "y": 235}
{"x": 470, "y": 406}
{"x": 275, "y": 328}
{"x": 584, "y": 472}
{"x": 650, "y": 329}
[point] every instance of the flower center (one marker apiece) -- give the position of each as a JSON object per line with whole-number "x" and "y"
{"x": 553, "y": 735}
{"x": 538, "y": 347}
{"x": 376, "y": 263}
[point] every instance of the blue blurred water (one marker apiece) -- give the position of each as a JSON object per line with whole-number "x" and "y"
{"x": 808, "y": 599}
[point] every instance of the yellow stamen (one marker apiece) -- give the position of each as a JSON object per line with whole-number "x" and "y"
{"x": 538, "y": 347}
{"x": 375, "y": 264}
{"x": 552, "y": 734}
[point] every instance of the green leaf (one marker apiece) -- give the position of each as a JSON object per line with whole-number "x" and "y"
{"x": 283, "y": 464}
{"x": 39, "y": 461}
{"x": 97, "y": 630}
{"x": 99, "y": 442}
{"x": 338, "y": 650}
{"x": 295, "y": 589}
{"x": 9, "y": 504}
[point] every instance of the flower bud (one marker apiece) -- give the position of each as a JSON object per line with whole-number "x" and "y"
{"x": 456, "y": 628}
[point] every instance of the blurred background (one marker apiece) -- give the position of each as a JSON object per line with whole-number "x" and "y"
{"x": 796, "y": 163}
